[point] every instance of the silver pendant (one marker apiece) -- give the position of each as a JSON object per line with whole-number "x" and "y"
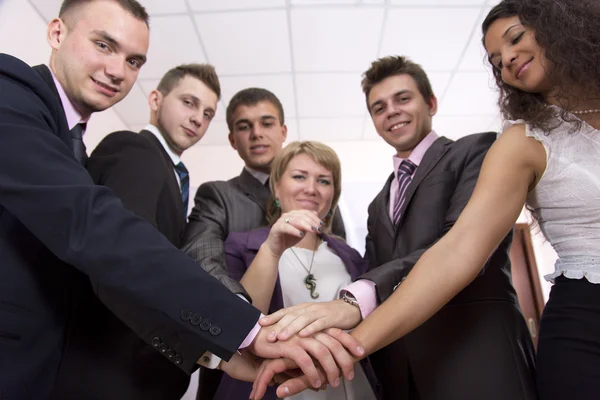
{"x": 311, "y": 284}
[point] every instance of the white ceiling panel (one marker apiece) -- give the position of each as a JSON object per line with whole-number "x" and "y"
{"x": 435, "y": 38}
{"x": 334, "y": 129}
{"x": 282, "y": 85}
{"x": 457, "y": 127}
{"x": 439, "y": 83}
{"x": 216, "y": 134}
{"x": 134, "y": 108}
{"x": 470, "y": 93}
{"x": 47, "y": 8}
{"x": 330, "y": 95}
{"x": 163, "y": 7}
{"x": 437, "y": 2}
{"x": 246, "y": 42}
{"x": 173, "y": 41}
{"x": 475, "y": 56}
{"x": 320, "y": 45}
{"x": 148, "y": 85}
{"x": 220, "y": 5}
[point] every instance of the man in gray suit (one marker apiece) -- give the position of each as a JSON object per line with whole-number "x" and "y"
{"x": 257, "y": 131}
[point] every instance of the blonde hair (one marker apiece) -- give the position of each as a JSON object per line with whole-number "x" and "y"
{"x": 322, "y": 155}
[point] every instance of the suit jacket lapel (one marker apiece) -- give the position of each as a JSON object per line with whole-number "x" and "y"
{"x": 254, "y": 189}
{"x": 171, "y": 178}
{"x": 382, "y": 206}
{"x": 431, "y": 158}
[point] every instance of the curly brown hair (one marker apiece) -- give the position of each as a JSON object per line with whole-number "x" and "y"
{"x": 567, "y": 32}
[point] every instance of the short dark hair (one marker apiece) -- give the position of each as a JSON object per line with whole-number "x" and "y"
{"x": 131, "y": 6}
{"x": 391, "y": 66}
{"x": 205, "y": 73}
{"x": 251, "y": 97}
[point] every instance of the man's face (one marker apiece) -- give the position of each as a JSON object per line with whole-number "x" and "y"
{"x": 402, "y": 117}
{"x": 184, "y": 114}
{"x": 97, "y": 54}
{"x": 257, "y": 134}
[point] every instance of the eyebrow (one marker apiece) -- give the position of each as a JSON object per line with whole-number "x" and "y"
{"x": 306, "y": 173}
{"x": 114, "y": 43}
{"x": 400, "y": 93}
{"x": 491, "y": 56}
{"x": 196, "y": 100}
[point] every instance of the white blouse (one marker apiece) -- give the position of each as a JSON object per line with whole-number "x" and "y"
{"x": 566, "y": 200}
{"x": 330, "y": 277}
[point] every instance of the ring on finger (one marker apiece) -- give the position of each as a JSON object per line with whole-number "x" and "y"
{"x": 287, "y": 220}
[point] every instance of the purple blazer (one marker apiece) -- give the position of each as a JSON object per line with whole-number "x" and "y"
{"x": 240, "y": 249}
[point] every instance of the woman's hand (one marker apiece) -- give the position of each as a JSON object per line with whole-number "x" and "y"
{"x": 309, "y": 318}
{"x": 290, "y": 228}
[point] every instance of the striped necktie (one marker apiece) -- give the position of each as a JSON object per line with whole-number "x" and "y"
{"x": 405, "y": 171}
{"x": 184, "y": 178}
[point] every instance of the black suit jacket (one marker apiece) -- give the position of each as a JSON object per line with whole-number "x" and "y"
{"x": 139, "y": 171}
{"x": 481, "y": 329}
{"x": 58, "y": 230}
{"x": 222, "y": 207}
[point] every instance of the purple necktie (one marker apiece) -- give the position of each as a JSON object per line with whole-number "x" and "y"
{"x": 405, "y": 171}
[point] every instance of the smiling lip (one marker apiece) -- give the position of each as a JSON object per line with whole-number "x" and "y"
{"x": 521, "y": 70}
{"x": 398, "y": 126}
{"x": 189, "y": 132}
{"x": 259, "y": 149}
{"x": 309, "y": 203}
{"x": 105, "y": 89}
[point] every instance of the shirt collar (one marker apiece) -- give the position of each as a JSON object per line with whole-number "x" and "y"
{"x": 72, "y": 115}
{"x": 416, "y": 156}
{"x": 172, "y": 155}
{"x": 259, "y": 175}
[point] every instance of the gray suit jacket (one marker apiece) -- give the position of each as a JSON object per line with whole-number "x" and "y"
{"x": 481, "y": 330}
{"x": 237, "y": 205}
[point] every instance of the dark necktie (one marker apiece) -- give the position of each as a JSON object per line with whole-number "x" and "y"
{"x": 405, "y": 171}
{"x": 184, "y": 178}
{"x": 78, "y": 145}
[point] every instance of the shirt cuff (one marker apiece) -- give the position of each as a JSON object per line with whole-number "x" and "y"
{"x": 250, "y": 338}
{"x": 365, "y": 294}
{"x": 209, "y": 360}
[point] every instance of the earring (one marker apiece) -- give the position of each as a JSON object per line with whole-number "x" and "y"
{"x": 276, "y": 203}
{"x": 329, "y": 214}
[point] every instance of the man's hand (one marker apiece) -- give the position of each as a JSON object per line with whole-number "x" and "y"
{"x": 243, "y": 367}
{"x": 329, "y": 350}
{"x": 335, "y": 342}
{"x": 309, "y": 318}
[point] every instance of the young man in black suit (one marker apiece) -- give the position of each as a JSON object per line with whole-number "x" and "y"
{"x": 146, "y": 172}
{"x": 59, "y": 231}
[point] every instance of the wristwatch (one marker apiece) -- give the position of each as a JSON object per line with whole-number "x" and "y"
{"x": 349, "y": 298}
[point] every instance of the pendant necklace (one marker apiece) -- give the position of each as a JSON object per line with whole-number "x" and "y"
{"x": 310, "y": 282}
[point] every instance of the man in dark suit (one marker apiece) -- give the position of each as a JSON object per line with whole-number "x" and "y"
{"x": 257, "y": 131}
{"x": 146, "y": 172}
{"x": 477, "y": 346}
{"x": 58, "y": 230}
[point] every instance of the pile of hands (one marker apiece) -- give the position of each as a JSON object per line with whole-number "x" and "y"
{"x": 300, "y": 347}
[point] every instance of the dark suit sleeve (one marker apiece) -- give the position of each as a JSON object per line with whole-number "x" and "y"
{"x": 337, "y": 225}
{"x": 206, "y": 232}
{"x": 390, "y": 274}
{"x": 127, "y": 163}
{"x": 85, "y": 225}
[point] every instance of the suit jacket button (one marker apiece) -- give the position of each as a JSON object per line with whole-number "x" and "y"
{"x": 156, "y": 342}
{"x": 163, "y": 348}
{"x": 205, "y": 325}
{"x": 178, "y": 359}
{"x": 170, "y": 353}
{"x": 186, "y": 315}
{"x": 215, "y": 330}
{"x": 195, "y": 320}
